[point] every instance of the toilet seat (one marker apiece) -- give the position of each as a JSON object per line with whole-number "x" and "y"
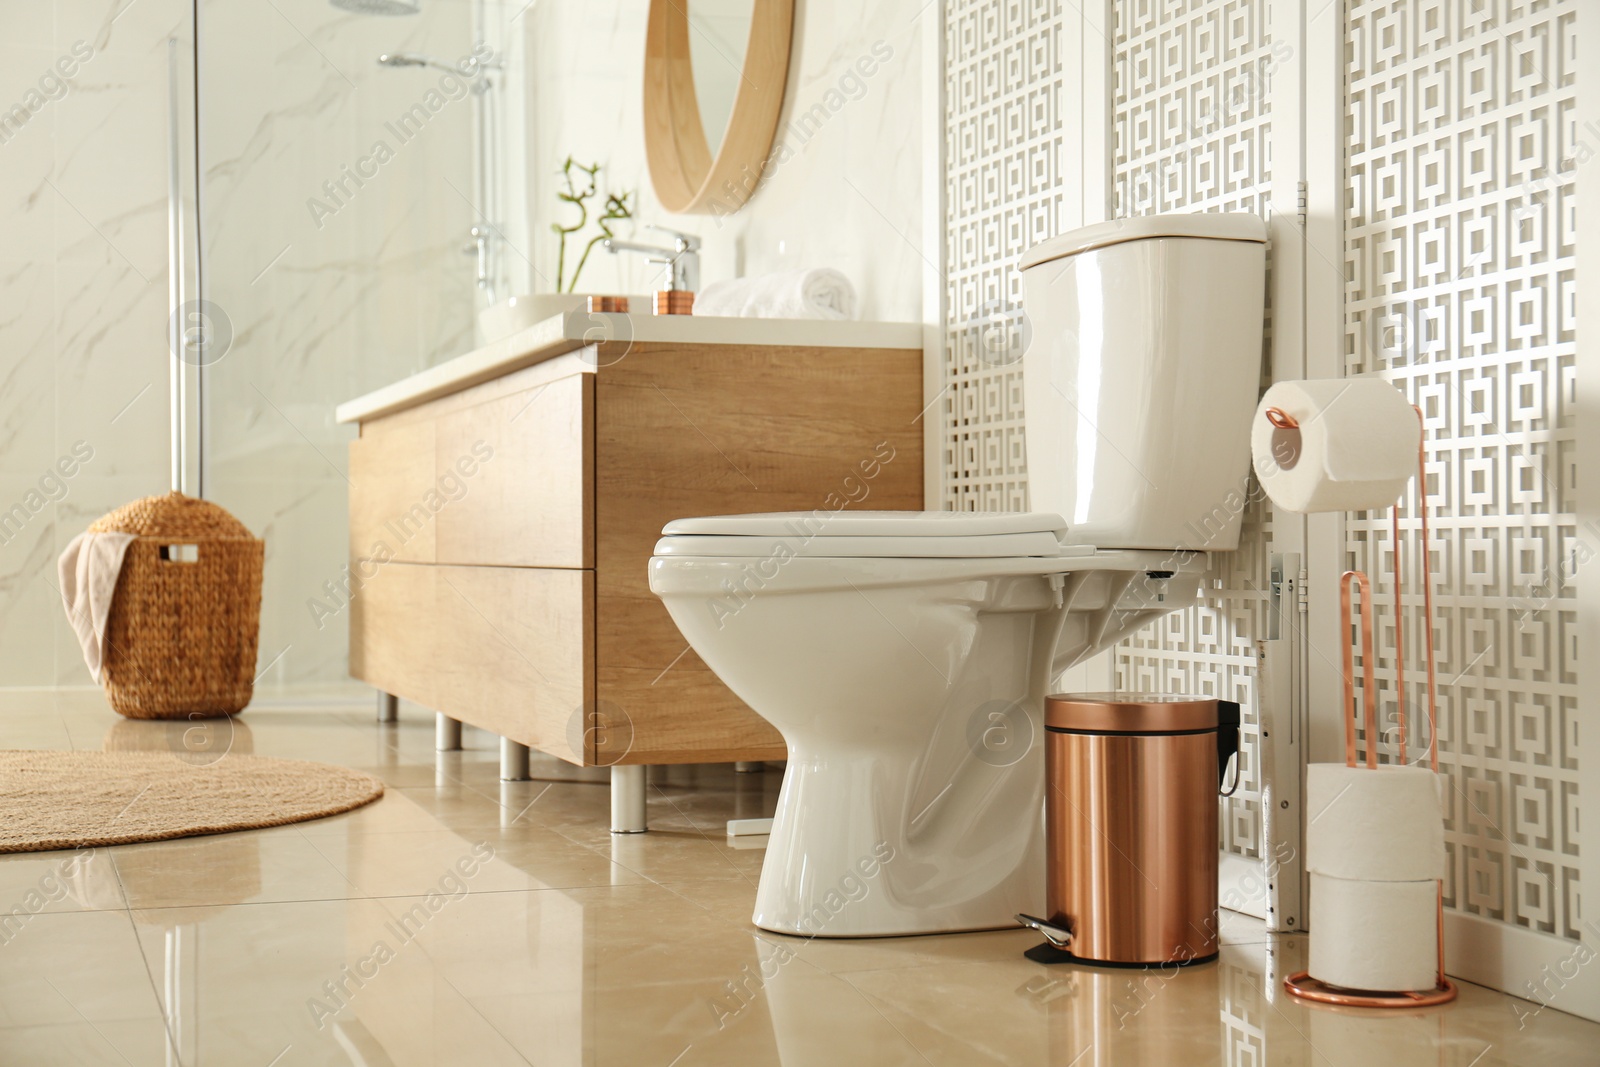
{"x": 873, "y": 535}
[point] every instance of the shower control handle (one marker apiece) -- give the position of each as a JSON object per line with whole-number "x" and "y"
{"x": 479, "y": 247}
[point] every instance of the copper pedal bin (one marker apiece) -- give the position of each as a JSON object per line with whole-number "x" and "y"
{"x": 1131, "y": 828}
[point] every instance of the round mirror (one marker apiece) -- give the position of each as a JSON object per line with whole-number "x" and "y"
{"x": 714, "y": 74}
{"x": 719, "y": 30}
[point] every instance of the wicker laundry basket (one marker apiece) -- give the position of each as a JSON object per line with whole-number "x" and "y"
{"x": 181, "y": 639}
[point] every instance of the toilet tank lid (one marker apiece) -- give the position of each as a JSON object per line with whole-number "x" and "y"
{"x": 1215, "y": 225}
{"x": 829, "y": 523}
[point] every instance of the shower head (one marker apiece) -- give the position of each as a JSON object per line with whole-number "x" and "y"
{"x": 379, "y": 7}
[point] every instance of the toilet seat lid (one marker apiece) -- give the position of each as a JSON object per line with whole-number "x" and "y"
{"x": 906, "y": 534}
{"x": 825, "y": 523}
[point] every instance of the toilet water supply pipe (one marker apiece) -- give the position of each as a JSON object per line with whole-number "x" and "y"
{"x": 1444, "y": 991}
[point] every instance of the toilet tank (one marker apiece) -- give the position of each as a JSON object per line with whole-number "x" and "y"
{"x": 1141, "y": 375}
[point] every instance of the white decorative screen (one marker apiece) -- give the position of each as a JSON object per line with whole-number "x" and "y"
{"x": 1192, "y": 126}
{"x": 1004, "y": 72}
{"x": 1459, "y": 259}
{"x": 1192, "y": 121}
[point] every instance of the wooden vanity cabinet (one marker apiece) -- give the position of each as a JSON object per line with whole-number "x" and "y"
{"x": 499, "y": 531}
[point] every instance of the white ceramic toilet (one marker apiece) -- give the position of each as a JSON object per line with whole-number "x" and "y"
{"x": 905, "y": 656}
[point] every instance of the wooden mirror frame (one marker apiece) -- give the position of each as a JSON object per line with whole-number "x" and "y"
{"x": 687, "y": 180}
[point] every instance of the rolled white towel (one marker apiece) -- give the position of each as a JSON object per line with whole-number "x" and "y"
{"x": 820, "y": 293}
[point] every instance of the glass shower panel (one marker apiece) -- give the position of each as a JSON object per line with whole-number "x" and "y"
{"x": 338, "y": 199}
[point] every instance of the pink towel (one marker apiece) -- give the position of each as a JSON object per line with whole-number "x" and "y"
{"x": 89, "y": 568}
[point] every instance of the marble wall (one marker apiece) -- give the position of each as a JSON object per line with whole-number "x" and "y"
{"x": 83, "y": 296}
{"x": 329, "y": 294}
{"x": 850, "y": 197}
{"x": 338, "y": 199}
{"x": 322, "y": 304}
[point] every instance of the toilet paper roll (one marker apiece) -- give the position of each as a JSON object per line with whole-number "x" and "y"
{"x": 1382, "y": 825}
{"x": 1382, "y": 936}
{"x": 1355, "y": 446}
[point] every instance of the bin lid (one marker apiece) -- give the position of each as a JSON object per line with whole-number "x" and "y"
{"x": 1131, "y": 713}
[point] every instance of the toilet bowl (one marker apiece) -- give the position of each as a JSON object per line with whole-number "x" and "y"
{"x": 905, "y": 656}
{"x": 907, "y": 672}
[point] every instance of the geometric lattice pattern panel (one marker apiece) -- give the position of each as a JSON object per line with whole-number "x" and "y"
{"x": 1192, "y": 119}
{"x": 1459, "y": 259}
{"x": 1004, "y": 77}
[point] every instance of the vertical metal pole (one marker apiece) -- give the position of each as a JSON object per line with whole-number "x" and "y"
{"x": 175, "y": 269}
{"x": 174, "y": 997}
{"x": 203, "y": 351}
{"x": 488, "y": 216}
{"x": 1283, "y": 745}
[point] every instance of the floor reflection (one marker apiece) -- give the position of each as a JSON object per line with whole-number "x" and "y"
{"x": 465, "y": 920}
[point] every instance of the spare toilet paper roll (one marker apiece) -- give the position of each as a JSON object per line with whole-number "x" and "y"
{"x": 1381, "y": 825}
{"x": 1374, "y": 935}
{"x": 1354, "y": 448}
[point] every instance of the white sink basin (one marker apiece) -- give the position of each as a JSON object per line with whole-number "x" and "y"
{"x": 518, "y": 313}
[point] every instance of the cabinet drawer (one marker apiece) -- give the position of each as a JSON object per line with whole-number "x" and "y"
{"x": 391, "y": 477}
{"x": 527, "y": 502}
{"x": 507, "y": 649}
{"x": 506, "y": 482}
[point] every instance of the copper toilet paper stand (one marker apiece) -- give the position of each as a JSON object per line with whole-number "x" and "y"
{"x": 1301, "y": 984}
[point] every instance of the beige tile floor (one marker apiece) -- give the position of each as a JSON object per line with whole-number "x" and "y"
{"x": 319, "y": 943}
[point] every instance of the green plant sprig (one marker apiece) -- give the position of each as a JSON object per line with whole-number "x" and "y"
{"x": 616, "y": 210}
{"x": 583, "y": 184}
{"x": 577, "y": 198}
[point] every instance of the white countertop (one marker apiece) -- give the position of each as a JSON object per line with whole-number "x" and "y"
{"x": 577, "y": 329}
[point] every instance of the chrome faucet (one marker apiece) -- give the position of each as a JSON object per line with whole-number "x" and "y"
{"x": 683, "y": 257}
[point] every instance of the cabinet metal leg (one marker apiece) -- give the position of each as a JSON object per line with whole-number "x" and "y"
{"x": 749, "y": 766}
{"x": 388, "y": 707}
{"x": 446, "y": 733}
{"x": 627, "y": 800}
{"x": 513, "y": 761}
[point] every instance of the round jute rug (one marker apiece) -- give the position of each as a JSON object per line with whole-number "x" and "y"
{"x": 51, "y": 799}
